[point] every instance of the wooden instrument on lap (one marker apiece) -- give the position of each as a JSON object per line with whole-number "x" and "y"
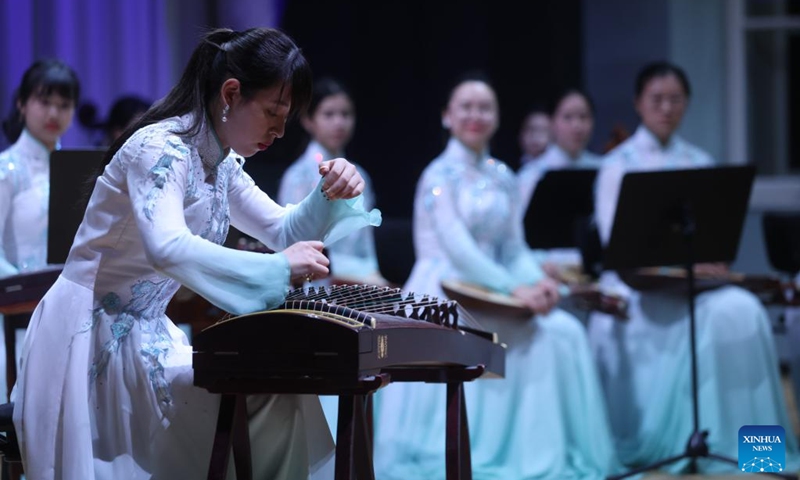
{"x": 588, "y": 297}
{"x": 475, "y": 297}
{"x": 770, "y": 289}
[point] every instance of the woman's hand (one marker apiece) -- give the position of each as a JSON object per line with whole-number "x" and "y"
{"x": 306, "y": 261}
{"x": 342, "y": 180}
{"x": 540, "y": 298}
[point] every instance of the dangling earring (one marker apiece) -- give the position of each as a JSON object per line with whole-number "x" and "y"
{"x": 225, "y": 110}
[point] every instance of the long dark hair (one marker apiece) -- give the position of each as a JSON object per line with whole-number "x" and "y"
{"x": 259, "y": 58}
{"x": 42, "y": 79}
{"x": 323, "y": 88}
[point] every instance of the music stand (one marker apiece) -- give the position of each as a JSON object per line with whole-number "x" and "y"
{"x": 71, "y": 172}
{"x": 561, "y": 200}
{"x": 680, "y": 217}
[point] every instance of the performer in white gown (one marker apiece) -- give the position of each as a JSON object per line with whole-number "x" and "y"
{"x": 546, "y": 419}
{"x": 535, "y": 135}
{"x": 44, "y": 109}
{"x": 645, "y": 362}
{"x": 105, "y": 390}
{"x": 572, "y": 120}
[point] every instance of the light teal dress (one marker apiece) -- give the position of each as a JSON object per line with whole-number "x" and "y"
{"x": 105, "y": 390}
{"x": 645, "y": 362}
{"x": 546, "y": 419}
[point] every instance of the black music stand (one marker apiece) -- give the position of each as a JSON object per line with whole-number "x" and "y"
{"x": 680, "y": 217}
{"x": 561, "y": 201}
{"x": 71, "y": 174}
{"x": 560, "y": 212}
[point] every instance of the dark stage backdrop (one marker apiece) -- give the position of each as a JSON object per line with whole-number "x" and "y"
{"x": 399, "y": 59}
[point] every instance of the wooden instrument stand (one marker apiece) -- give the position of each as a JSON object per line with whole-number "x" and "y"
{"x": 353, "y": 435}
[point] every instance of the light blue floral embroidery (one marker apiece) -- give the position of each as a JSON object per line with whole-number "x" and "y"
{"x": 160, "y": 173}
{"x": 146, "y": 307}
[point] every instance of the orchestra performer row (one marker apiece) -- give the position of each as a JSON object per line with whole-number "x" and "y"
{"x": 106, "y": 376}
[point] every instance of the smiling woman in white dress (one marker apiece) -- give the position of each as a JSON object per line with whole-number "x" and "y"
{"x": 105, "y": 390}
{"x": 546, "y": 419}
{"x": 645, "y": 362}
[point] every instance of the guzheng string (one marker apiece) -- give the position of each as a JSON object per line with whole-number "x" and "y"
{"x": 386, "y": 300}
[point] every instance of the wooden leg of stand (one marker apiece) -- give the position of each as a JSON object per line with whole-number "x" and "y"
{"x": 12, "y": 471}
{"x": 344, "y": 438}
{"x": 363, "y": 440}
{"x": 218, "y": 467}
{"x": 241, "y": 440}
{"x": 457, "y": 451}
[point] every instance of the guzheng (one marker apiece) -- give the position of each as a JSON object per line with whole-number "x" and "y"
{"x": 343, "y": 332}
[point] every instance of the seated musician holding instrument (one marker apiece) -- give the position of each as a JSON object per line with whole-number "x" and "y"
{"x": 43, "y": 110}
{"x": 645, "y": 362}
{"x": 546, "y": 418}
{"x": 330, "y": 122}
{"x": 106, "y": 385}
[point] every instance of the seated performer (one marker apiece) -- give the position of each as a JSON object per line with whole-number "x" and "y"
{"x": 645, "y": 362}
{"x": 534, "y": 135}
{"x": 572, "y": 114}
{"x": 330, "y": 122}
{"x": 43, "y": 110}
{"x": 106, "y": 385}
{"x": 546, "y": 419}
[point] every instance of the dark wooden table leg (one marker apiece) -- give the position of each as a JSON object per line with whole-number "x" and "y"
{"x": 218, "y": 467}
{"x": 458, "y": 462}
{"x": 10, "y": 325}
{"x": 241, "y": 440}
{"x": 345, "y": 429}
{"x": 362, "y": 440}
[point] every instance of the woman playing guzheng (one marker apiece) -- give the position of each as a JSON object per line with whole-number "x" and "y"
{"x": 645, "y": 362}
{"x": 546, "y": 419}
{"x": 105, "y": 389}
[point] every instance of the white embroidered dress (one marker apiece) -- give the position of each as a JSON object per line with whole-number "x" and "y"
{"x": 105, "y": 389}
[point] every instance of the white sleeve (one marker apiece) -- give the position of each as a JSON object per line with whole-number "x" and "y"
{"x": 236, "y": 281}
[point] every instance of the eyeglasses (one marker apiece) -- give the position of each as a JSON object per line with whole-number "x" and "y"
{"x": 671, "y": 100}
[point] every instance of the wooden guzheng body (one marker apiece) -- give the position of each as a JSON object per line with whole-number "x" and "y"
{"x": 342, "y": 332}
{"x": 345, "y": 340}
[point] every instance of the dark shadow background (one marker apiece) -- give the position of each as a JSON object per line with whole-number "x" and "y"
{"x": 399, "y": 59}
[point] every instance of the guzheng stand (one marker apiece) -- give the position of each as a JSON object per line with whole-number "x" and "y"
{"x": 680, "y": 217}
{"x": 353, "y": 436}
